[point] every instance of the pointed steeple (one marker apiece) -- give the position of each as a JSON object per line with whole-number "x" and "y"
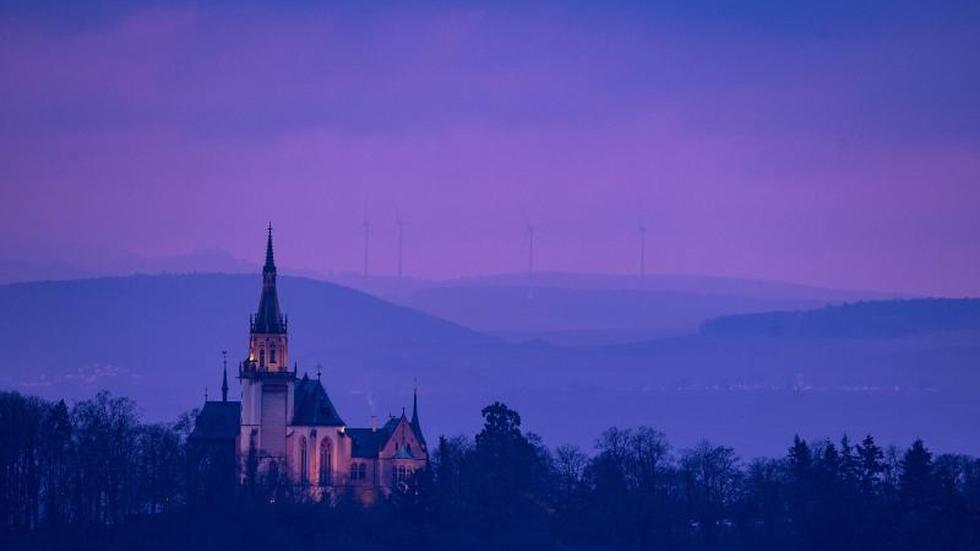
{"x": 269, "y": 319}
{"x": 270, "y": 264}
{"x": 416, "y": 424}
{"x": 415, "y": 405}
{"x": 224, "y": 376}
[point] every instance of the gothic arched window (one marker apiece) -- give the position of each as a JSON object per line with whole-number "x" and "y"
{"x": 304, "y": 466}
{"x": 325, "y": 462}
{"x": 400, "y": 474}
{"x": 272, "y": 354}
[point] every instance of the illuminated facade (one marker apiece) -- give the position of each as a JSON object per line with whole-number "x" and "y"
{"x": 287, "y": 426}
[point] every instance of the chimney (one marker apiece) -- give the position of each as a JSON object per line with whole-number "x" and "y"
{"x": 374, "y": 423}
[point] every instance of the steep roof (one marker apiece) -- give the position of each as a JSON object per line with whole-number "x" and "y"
{"x": 416, "y": 424}
{"x": 312, "y": 405}
{"x": 365, "y": 442}
{"x": 368, "y": 443}
{"x": 390, "y": 426}
{"x": 269, "y": 319}
{"x": 218, "y": 421}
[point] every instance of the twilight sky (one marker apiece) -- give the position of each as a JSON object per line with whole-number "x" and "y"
{"x": 834, "y": 143}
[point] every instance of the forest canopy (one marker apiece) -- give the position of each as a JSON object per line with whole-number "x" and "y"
{"x": 94, "y": 476}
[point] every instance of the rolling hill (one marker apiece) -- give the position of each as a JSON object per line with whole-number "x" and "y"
{"x": 153, "y": 336}
{"x": 876, "y": 319}
{"x": 595, "y": 309}
{"x": 911, "y": 371}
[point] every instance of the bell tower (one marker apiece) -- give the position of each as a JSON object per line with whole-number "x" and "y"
{"x": 268, "y": 344}
{"x": 267, "y": 381}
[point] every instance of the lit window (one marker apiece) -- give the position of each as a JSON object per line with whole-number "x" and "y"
{"x": 401, "y": 474}
{"x": 358, "y": 471}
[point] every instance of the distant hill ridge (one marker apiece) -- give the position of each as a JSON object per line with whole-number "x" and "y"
{"x": 134, "y": 316}
{"x": 678, "y": 283}
{"x": 867, "y": 319}
{"x": 158, "y": 340}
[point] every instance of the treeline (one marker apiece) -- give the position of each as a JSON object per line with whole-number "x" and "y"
{"x": 864, "y": 319}
{"x": 94, "y": 463}
{"x": 93, "y": 477}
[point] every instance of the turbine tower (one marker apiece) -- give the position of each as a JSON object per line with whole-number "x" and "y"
{"x": 366, "y": 227}
{"x": 400, "y": 224}
{"x": 642, "y": 228}
{"x": 529, "y": 230}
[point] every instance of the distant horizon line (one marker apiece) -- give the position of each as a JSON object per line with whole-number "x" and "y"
{"x": 350, "y": 277}
{"x": 66, "y": 261}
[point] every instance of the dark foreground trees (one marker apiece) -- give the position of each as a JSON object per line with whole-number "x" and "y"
{"x": 91, "y": 464}
{"x": 92, "y": 476}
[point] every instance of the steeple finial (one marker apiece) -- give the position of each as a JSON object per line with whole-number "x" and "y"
{"x": 205, "y": 393}
{"x": 415, "y": 403}
{"x": 319, "y": 368}
{"x": 416, "y": 424}
{"x": 224, "y": 376}
{"x": 269, "y": 262}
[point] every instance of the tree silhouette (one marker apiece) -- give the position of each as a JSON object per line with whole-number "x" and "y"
{"x": 710, "y": 478}
{"x": 916, "y": 493}
{"x": 93, "y": 476}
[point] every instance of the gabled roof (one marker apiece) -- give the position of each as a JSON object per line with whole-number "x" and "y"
{"x": 365, "y": 442}
{"x": 312, "y": 405}
{"x": 390, "y": 426}
{"x": 368, "y": 443}
{"x": 218, "y": 421}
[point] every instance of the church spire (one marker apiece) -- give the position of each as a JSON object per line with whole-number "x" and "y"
{"x": 270, "y": 264}
{"x": 268, "y": 347}
{"x": 224, "y": 376}
{"x": 269, "y": 319}
{"x": 415, "y": 405}
{"x": 416, "y": 424}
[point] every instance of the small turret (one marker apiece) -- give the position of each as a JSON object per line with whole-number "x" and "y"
{"x": 415, "y": 405}
{"x": 224, "y": 376}
{"x": 416, "y": 424}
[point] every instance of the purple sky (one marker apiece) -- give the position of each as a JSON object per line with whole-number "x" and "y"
{"x": 837, "y": 146}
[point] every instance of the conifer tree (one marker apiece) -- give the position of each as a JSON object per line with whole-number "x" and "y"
{"x": 870, "y": 465}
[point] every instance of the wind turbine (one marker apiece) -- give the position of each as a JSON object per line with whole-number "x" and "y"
{"x": 401, "y": 241}
{"x": 529, "y": 230}
{"x": 366, "y": 226}
{"x": 642, "y": 228}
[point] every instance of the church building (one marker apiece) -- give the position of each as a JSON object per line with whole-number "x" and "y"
{"x": 286, "y": 425}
